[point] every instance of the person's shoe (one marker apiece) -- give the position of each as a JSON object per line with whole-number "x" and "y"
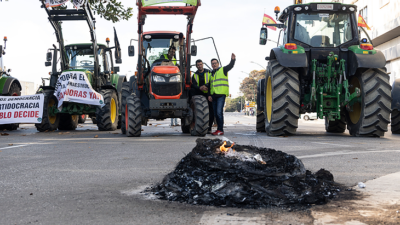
{"x": 218, "y": 132}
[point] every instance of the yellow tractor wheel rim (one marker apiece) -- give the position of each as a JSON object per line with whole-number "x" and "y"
{"x": 356, "y": 113}
{"x": 52, "y": 119}
{"x": 113, "y": 110}
{"x": 74, "y": 117}
{"x": 268, "y": 99}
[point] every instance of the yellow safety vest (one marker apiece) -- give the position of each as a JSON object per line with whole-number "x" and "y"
{"x": 206, "y": 79}
{"x": 173, "y": 59}
{"x": 219, "y": 83}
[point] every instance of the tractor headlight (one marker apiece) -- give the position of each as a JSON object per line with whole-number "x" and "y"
{"x": 158, "y": 78}
{"x": 176, "y": 78}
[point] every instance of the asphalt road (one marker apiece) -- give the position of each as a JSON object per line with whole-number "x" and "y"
{"x": 92, "y": 177}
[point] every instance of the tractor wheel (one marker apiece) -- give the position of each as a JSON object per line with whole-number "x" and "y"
{"x": 282, "y": 97}
{"x": 94, "y": 121}
{"x": 107, "y": 116}
{"x": 185, "y": 127}
{"x": 395, "y": 121}
{"x": 48, "y": 123}
{"x": 199, "y": 125}
{"x": 15, "y": 90}
{"x": 370, "y": 116}
{"x": 260, "y": 121}
{"x": 125, "y": 95}
{"x": 337, "y": 126}
{"x": 82, "y": 118}
{"x": 133, "y": 120}
{"x": 68, "y": 122}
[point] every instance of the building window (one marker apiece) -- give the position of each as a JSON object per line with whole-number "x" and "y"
{"x": 364, "y": 14}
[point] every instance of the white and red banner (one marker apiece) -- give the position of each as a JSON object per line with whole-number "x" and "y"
{"x": 55, "y": 3}
{"x": 21, "y": 109}
{"x": 73, "y": 86}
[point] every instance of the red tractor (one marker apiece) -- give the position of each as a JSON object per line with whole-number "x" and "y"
{"x": 160, "y": 88}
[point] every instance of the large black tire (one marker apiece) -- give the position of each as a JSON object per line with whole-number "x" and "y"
{"x": 82, "y": 118}
{"x": 371, "y": 116}
{"x": 49, "y": 123}
{"x": 395, "y": 121}
{"x": 260, "y": 126}
{"x": 134, "y": 125}
{"x": 68, "y": 122}
{"x": 199, "y": 125}
{"x": 282, "y": 100}
{"x": 94, "y": 121}
{"x": 15, "y": 90}
{"x": 260, "y": 121}
{"x": 124, "y": 109}
{"x": 337, "y": 126}
{"x": 107, "y": 116}
{"x": 185, "y": 127}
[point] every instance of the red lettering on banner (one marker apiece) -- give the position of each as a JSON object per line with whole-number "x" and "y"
{"x": 37, "y": 114}
{"x": 75, "y": 93}
{"x": 80, "y": 94}
{"x": 84, "y": 94}
{"x": 25, "y": 114}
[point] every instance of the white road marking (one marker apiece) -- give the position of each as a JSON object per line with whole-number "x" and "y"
{"x": 344, "y": 153}
{"x": 324, "y": 143}
{"x": 16, "y": 146}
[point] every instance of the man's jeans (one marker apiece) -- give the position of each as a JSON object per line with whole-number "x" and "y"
{"x": 218, "y": 105}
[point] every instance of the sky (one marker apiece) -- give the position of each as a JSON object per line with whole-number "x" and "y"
{"x": 234, "y": 25}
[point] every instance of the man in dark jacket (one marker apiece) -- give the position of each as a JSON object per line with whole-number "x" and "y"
{"x": 201, "y": 86}
{"x": 219, "y": 90}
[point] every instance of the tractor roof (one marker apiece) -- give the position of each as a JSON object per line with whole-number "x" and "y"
{"x": 313, "y": 7}
{"x": 88, "y": 44}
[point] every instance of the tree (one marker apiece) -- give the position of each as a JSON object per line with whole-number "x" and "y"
{"x": 249, "y": 84}
{"x": 111, "y": 10}
{"x": 232, "y": 104}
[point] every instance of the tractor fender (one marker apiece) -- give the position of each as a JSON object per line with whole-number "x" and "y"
{"x": 8, "y": 83}
{"x": 396, "y": 94}
{"x": 260, "y": 93}
{"x": 289, "y": 60}
{"x": 374, "y": 61}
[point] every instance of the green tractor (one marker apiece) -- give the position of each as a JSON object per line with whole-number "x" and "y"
{"x": 322, "y": 65}
{"x": 9, "y": 86}
{"x": 98, "y": 67}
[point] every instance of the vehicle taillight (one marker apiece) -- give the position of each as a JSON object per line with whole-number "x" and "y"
{"x": 290, "y": 46}
{"x": 366, "y": 46}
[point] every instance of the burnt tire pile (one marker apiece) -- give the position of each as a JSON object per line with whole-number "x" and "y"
{"x": 206, "y": 176}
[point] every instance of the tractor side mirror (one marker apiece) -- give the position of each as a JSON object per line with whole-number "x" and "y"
{"x": 263, "y": 36}
{"x": 47, "y": 63}
{"x": 193, "y": 50}
{"x": 116, "y": 69}
{"x": 49, "y": 56}
{"x": 131, "y": 51}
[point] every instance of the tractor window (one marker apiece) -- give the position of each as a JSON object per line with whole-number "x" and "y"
{"x": 323, "y": 29}
{"x": 83, "y": 59}
{"x": 158, "y": 48}
{"x": 108, "y": 61}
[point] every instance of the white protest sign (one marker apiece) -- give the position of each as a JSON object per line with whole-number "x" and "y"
{"x": 54, "y": 3}
{"x": 21, "y": 109}
{"x": 73, "y": 86}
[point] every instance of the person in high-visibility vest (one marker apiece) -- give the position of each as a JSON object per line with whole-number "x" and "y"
{"x": 219, "y": 90}
{"x": 201, "y": 86}
{"x": 171, "y": 55}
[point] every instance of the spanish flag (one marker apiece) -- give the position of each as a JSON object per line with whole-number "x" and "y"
{"x": 362, "y": 23}
{"x": 268, "y": 20}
